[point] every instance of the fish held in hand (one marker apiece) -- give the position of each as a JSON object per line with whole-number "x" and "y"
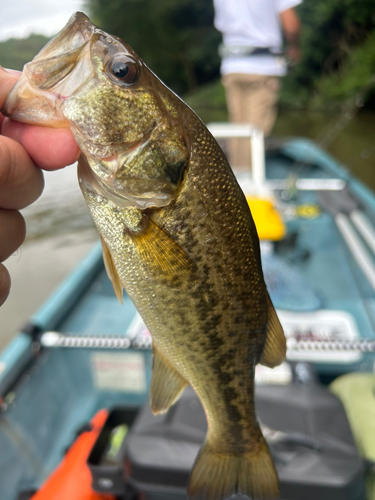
{"x": 177, "y": 234}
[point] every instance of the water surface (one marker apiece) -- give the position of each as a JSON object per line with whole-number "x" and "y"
{"x": 349, "y": 139}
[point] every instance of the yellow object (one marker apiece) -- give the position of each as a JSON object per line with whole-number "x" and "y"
{"x": 268, "y": 221}
{"x": 308, "y": 211}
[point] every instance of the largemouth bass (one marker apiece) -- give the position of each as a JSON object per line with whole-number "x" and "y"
{"x": 177, "y": 234}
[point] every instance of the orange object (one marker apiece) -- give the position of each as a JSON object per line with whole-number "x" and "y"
{"x": 72, "y": 478}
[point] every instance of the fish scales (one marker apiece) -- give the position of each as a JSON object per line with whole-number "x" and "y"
{"x": 177, "y": 234}
{"x": 215, "y": 297}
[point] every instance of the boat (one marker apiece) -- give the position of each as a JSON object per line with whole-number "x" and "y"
{"x": 82, "y": 351}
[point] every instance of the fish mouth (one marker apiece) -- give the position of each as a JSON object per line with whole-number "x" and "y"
{"x": 40, "y": 92}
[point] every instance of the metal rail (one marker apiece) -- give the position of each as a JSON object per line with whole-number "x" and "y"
{"x": 56, "y": 339}
{"x": 256, "y": 136}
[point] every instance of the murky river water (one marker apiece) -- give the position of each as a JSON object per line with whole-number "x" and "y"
{"x": 350, "y": 140}
{"x": 61, "y": 208}
{"x": 61, "y": 232}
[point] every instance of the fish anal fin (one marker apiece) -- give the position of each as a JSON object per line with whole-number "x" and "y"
{"x": 274, "y": 351}
{"x": 166, "y": 383}
{"x": 218, "y": 474}
{"x": 160, "y": 252}
{"x": 111, "y": 270}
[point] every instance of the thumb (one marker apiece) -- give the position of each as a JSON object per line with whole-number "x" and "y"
{"x": 7, "y": 79}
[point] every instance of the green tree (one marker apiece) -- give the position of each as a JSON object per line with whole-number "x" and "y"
{"x": 333, "y": 35}
{"x": 16, "y": 52}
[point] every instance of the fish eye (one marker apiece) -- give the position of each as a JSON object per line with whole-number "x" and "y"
{"x": 123, "y": 69}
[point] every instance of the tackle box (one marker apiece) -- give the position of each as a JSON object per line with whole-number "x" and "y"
{"x": 306, "y": 427}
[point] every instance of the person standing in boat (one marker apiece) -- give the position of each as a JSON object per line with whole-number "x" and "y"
{"x": 253, "y": 61}
{"x": 24, "y": 151}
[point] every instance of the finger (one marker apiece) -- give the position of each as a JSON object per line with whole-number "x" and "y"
{"x": 7, "y": 80}
{"x": 21, "y": 182}
{"x": 12, "y": 232}
{"x": 4, "y": 284}
{"x": 49, "y": 148}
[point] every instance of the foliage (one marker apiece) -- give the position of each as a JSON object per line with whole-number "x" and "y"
{"x": 355, "y": 80}
{"x": 209, "y": 102}
{"x": 337, "y": 52}
{"x": 175, "y": 39}
{"x": 16, "y": 52}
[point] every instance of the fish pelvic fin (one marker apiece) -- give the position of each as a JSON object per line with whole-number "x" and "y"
{"x": 218, "y": 474}
{"x": 111, "y": 270}
{"x": 160, "y": 252}
{"x": 274, "y": 351}
{"x": 166, "y": 383}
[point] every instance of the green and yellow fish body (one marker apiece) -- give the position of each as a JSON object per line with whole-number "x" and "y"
{"x": 177, "y": 234}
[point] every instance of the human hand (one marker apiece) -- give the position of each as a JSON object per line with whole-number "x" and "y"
{"x": 24, "y": 150}
{"x": 293, "y": 53}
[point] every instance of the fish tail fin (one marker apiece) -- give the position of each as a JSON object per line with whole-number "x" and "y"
{"x": 218, "y": 474}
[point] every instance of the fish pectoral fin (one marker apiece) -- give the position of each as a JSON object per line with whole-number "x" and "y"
{"x": 217, "y": 473}
{"x": 274, "y": 351}
{"x": 166, "y": 383}
{"x": 159, "y": 251}
{"x": 111, "y": 270}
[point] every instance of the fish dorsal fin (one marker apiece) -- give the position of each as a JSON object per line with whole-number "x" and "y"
{"x": 275, "y": 347}
{"x": 111, "y": 270}
{"x": 166, "y": 383}
{"x": 160, "y": 252}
